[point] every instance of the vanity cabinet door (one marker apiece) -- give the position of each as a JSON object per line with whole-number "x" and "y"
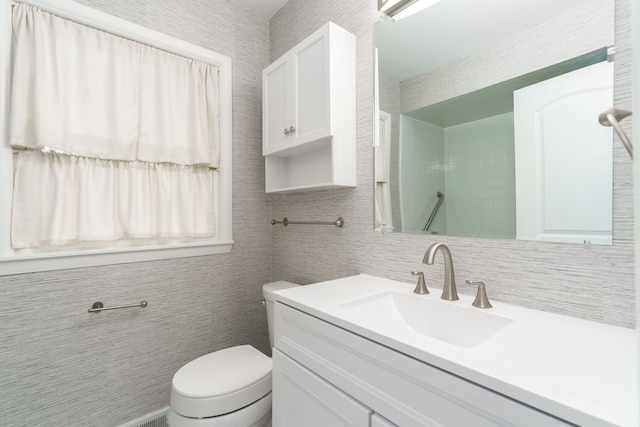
{"x": 301, "y": 398}
{"x": 310, "y": 69}
{"x": 296, "y": 92}
{"x": 276, "y": 84}
{"x": 379, "y": 421}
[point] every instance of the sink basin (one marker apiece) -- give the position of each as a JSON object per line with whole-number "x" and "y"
{"x": 400, "y": 313}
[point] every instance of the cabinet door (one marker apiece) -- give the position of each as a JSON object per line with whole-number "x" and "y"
{"x": 310, "y": 109}
{"x": 564, "y": 157}
{"x": 276, "y": 106}
{"x": 379, "y": 421}
{"x": 301, "y": 398}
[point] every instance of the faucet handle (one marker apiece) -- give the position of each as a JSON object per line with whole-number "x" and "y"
{"x": 421, "y": 286}
{"x": 481, "y": 297}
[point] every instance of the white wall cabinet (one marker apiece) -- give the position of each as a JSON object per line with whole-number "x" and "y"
{"x": 394, "y": 389}
{"x": 309, "y": 114}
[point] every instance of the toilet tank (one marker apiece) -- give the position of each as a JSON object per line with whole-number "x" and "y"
{"x": 267, "y": 291}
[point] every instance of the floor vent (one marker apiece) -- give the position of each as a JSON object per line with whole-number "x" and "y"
{"x": 154, "y": 419}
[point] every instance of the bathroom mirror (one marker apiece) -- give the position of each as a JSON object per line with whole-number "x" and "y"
{"x": 488, "y": 120}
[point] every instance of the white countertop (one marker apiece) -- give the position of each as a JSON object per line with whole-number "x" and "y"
{"x": 581, "y": 371}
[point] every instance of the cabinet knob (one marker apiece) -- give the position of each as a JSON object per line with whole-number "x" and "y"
{"x": 286, "y": 131}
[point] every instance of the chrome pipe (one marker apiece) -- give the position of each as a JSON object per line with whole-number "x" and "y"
{"x": 435, "y": 211}
{"x": 338, "y": 223}
{"x": 98, "y": 306}
{"x": 611, "y": 117}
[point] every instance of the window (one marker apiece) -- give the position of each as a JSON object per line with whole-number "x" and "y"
{"x": 141, "y": 159}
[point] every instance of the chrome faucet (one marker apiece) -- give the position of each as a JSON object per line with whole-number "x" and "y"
{"x": 449, "y": 291}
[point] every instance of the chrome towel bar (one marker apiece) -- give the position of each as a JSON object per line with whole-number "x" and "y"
{"x": 98, "y": 306}
{"x": 338, "y": 223}
{"x": 440, "y": 197}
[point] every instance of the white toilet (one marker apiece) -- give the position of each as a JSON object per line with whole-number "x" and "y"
{"x": 229, "y": 387}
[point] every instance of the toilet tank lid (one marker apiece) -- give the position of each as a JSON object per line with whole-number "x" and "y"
{"x": 269, "y": 288}
{"x": 222, "y": 372}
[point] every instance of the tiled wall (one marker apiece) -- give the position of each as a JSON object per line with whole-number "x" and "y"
{"x": 594, "y": 283}
{"x": 472, "y": 164}
{"x": 480, "y": 178}
{"x": 422, "y": 175}
{"x": 61, "y": 366}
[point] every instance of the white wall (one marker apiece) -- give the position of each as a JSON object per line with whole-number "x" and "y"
{"x": 636, "y": 137}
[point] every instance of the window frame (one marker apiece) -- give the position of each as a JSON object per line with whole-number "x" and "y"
{"x": 16, "y": 262}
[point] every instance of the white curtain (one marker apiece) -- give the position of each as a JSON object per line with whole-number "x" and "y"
{"x": 382, "y": 176}
{"x": 134, "y": 130}
{"x": 180, "y": 122}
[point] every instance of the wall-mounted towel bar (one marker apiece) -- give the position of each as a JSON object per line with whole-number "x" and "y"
{"x": 440, "y": 197}
{"x": 338, "y": 223}
{"x": 98, "y": 306}
{"x": 611, "y": 117}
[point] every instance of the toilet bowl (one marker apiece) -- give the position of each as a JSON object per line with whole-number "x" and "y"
{"x": 229, "y": 387}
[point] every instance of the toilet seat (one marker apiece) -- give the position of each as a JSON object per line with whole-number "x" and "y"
{"x": 221, "y": 382}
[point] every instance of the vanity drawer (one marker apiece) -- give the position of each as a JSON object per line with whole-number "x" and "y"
{"x": 404, "y": 390}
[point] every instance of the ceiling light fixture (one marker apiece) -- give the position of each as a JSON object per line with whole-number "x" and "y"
{"x": 398, "y": 9}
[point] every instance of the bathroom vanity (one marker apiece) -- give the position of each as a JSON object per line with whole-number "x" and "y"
{"x": 367, "y": 351}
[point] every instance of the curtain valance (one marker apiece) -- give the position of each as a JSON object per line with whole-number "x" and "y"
{"x": 92, "y": 94}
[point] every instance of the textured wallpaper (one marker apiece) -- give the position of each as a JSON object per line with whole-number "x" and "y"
{"x": 61, "y": 366}
{"x": 570, "y": 34}
{"x": 595, "y": 283}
